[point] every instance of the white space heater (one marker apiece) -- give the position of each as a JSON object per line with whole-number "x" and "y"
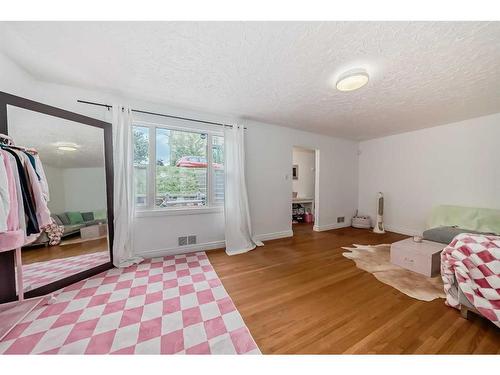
{"x": 379, "y": 225}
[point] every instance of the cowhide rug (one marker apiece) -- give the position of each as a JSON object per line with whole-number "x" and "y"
{"x": 376, "y": 260}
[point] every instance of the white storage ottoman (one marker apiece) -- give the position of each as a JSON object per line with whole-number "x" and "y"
{"x": 421, "y": 257}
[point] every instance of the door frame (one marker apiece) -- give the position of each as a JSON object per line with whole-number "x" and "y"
{"x": 316, "y": 152}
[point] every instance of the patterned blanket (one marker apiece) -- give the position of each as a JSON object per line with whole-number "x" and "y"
{"x": 471, "y": 262}
{"x": 54, "y": 233}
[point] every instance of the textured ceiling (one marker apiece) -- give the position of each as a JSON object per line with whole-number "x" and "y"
{"x": 44, "y": 133}
{"x": 422, "y": 73}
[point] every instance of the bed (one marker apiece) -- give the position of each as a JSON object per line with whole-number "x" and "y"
{"x": 470, "y": 263}
{"x": 470, "y": 268}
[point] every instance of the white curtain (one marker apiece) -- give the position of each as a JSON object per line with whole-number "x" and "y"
{"x": 237, "y": 215}
{"x": 124, "y": 203}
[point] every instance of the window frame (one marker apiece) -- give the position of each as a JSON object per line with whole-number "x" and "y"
{"x": 150, "y": 209}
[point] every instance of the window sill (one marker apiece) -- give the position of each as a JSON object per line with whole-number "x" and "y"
{"x": 178, "y": 211}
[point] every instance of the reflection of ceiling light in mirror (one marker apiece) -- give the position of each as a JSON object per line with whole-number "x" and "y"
{"x": 67, "y": 146}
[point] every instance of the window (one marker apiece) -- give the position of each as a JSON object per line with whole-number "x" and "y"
{"x": 141, "y": 162}
{"x": 181, "y": 168}
{"x": 218, "y": 168}
{"x": 185, "y": 171}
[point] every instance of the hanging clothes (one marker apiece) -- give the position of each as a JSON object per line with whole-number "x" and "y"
{"x": 20, "y": 205}
{"x": 14, "y": 236}
{"x": 41, "y": 209}
{"x": 43, "y": 178}
{"x": 32, "y": 161}
{"x": 32, "y": 226}
{"x": 24, "y": 195}
{"x": 4, "y": 197}
{"x": 18, "y": 178}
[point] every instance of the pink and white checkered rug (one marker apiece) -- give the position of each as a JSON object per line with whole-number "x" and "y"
{"x": 43, "y": 273}
{"x": 170, "y": 305}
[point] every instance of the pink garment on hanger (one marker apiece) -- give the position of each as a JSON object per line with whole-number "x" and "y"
{"x": 4, "y": 197}
{"x": 20, "y": 204}
{"x": 14, "y": 237}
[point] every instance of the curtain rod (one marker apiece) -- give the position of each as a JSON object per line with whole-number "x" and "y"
{"x": 108, "y": 106}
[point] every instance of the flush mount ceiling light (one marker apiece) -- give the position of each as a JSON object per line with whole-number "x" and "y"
{"x": 352, "y": 80}
{"x": 67, "y": 147}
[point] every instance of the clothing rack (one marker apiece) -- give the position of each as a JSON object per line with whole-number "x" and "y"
{"x": 108, "y": 106}
{"x": 7, "y": 141}
{"x": 12, "y": 313}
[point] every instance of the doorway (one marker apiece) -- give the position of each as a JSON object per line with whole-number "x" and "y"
{"x": 304, "y": 187}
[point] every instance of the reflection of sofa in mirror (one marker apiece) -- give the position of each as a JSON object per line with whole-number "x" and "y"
{"x": 72, "y": 222}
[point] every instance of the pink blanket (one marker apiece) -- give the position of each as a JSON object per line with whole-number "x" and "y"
{"x": 471, "y": 262}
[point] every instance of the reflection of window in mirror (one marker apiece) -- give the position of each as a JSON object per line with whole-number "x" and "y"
{"x": 295, "y": 172}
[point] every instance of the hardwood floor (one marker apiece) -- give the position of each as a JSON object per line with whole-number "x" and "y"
{"x": 42, "y": 253}
{"x": 300, "y": 295}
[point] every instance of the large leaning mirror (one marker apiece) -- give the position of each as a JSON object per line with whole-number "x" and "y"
{"x": 69, "y": 160}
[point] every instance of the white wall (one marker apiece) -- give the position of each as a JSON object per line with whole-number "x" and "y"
{"x": 305, "y": 160}
{"x": 457, "y": 164}
{"x": 269, "y": 157}
{"x": 84, "y": 189}
{"x": 269, "y": 161}
{"x": 156, "y": 235}
{"x": 76, "y": 189}
{"x": 13, "y": 79}
{"x": 55, "y": 181}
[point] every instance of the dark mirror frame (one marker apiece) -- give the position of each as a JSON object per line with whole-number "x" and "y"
{"x": 7, "y": 262}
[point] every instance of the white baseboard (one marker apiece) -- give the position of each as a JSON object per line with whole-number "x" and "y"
{"x": 181, "y": 249}
{"x": 261, "y": 237}
{"x": 274, "y": 235}
{"x": 207, "y": 246}
{"x": 390, "y": 228}
{"x": 403, "y": 230}
{"x": 321, "y": 228}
